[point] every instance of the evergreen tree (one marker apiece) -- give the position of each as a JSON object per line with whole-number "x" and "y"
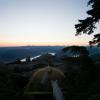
{"x": 88, "y": 25}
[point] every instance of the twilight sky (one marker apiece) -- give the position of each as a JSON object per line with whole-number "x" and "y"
{"x": 41, "y": 22}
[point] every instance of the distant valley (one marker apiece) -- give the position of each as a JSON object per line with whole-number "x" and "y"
{"x": 8, "y": 54}
{"x": 12, "y": 53}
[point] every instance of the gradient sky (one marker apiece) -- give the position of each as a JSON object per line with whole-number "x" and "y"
{"x": 41, "y": 22}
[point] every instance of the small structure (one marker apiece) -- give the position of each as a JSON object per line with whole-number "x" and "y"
{"x": 28, "y": 59}
{"x": 46, "y": 81}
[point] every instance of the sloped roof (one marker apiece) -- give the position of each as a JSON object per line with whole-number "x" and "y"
{"x": 41, "y": 79}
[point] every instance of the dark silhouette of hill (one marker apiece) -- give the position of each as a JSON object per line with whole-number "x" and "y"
{"x": 12, "y": 53}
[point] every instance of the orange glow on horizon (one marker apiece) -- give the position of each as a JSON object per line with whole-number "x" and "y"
{"x": 8, "y": 44}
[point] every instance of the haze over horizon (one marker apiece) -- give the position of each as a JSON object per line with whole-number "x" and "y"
{"x": 41, "y": 22}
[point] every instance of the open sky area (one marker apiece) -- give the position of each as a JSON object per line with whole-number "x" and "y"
{"x": 41, "y": 22}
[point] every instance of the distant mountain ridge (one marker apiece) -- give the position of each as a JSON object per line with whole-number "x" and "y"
{"x": 12, "y": 53}
{"x": 94, "y": 53}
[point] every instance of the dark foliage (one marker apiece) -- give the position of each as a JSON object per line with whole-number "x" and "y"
{"x": 88, "y": 25}
{"x": 76, "y": 50}
{"x": 96, "y": 40}
{"x": 11, "y": 85}
{"x": 80, "y": 78}
{"x": 80, "y": 74}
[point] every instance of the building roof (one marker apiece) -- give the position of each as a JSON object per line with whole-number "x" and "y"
{"x": 41, "y": 79}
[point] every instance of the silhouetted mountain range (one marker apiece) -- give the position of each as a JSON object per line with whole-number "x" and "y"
{"x": 12, "y": 53}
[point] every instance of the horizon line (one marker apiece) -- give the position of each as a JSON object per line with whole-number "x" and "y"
{"x": 41, "y": 45}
